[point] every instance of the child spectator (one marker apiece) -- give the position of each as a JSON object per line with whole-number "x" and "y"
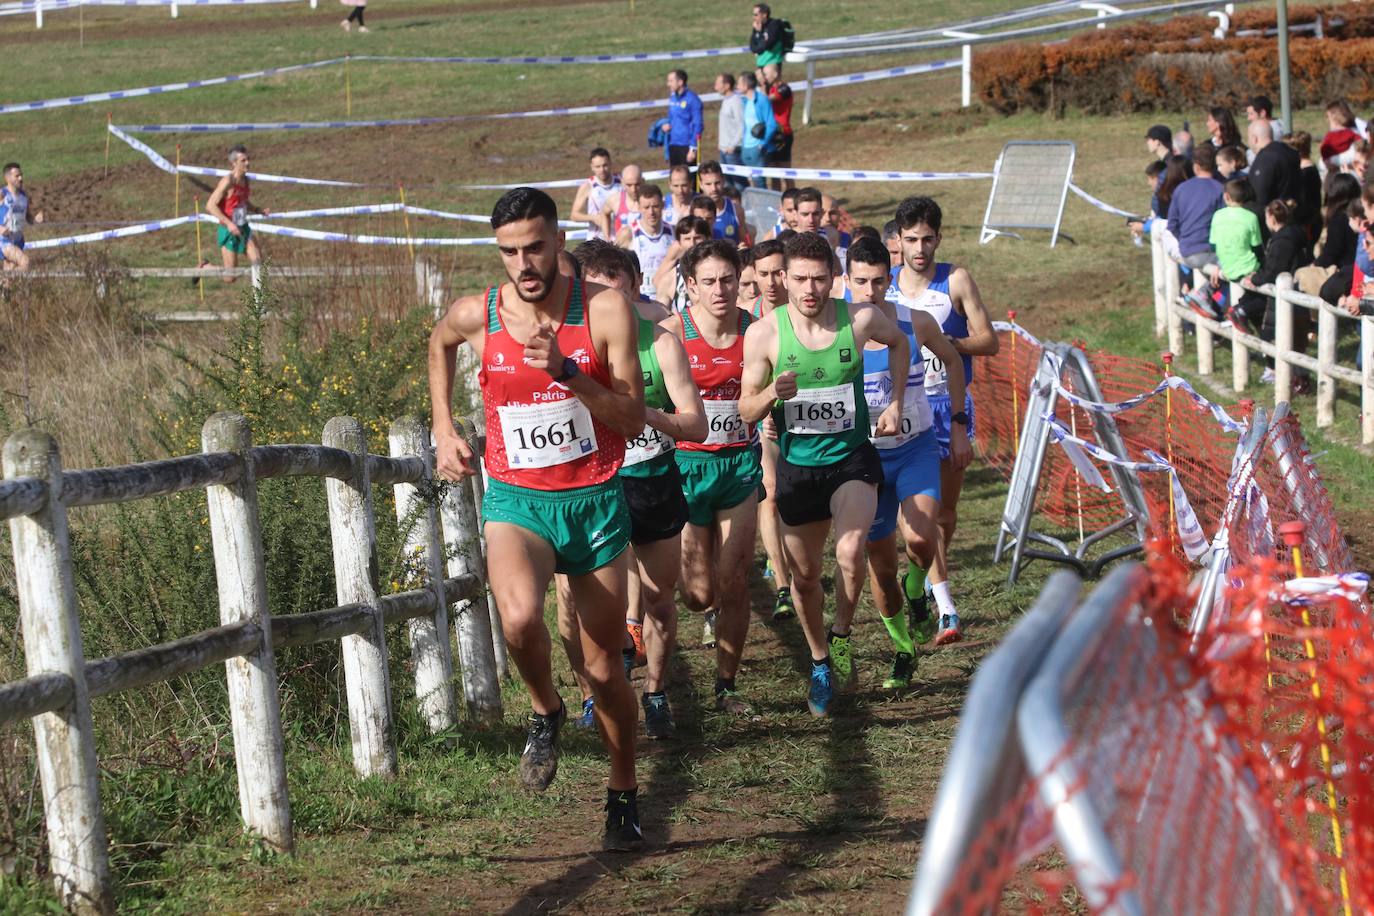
{"x": 1330, "y": 276}
{"x": 1154, "y": 174}
{"x": 1231, "y": 163}
{"x": 1340, "y": 137}
{"x": 1235, "y": 235}
{"x": 1285, "y": 253}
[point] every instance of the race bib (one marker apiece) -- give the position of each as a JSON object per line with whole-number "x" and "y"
{"x": 818, "y": 411}
{"x": 647, "y": 445}
{"x": 543, "y": 435}
{"x": 915, "y": 411}
{"x": 724, "y": 425}
{"x": 240, "y": 215}
{"x": 937, "y": 378}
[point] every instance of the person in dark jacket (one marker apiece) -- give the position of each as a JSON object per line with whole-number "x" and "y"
{"x": 1276, "y": 173}
{"x": 1336, "y": 263}
{"x": 765, "y": 41}
{"x": 1284, "y": 253}
{"x": 1309, "y": 210}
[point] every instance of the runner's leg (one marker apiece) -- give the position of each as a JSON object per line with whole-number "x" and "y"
{"x": 697, "y": 582}
{"x": 770, "y": 530}
{"x": 851, "y": 510}
{"x": 659, "y": 562}
{"x": 804, "y": 544}
{"x": 526, "y": 562}
{"x": 738, "y": 528}
{"x": 571, "y": 632}
{"x": 951, "y": 485}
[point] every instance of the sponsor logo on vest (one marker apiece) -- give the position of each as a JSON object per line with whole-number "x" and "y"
{"x": 845, "y": 355}
{"x": 719, "y": 361}
{"x": 580, "y": 355}
{"x": 818, "y": 373}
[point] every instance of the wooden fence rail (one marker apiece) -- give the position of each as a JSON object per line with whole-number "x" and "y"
{"x": 35, "y": 496}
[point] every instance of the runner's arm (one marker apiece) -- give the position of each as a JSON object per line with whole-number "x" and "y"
{"x": 579, "y": 207}
{"x": 212, "y": 206}
{"x": 758, "y": 389}
{"x": 453, "y": 456}
{"x": 623, "y": 237}
{"x": 982, "y": 339}
{"x": 871, "y": 323}
{"x": 689, "y": 423}
{"x": 929, "y": 336}
{"x": 621, "y": 406}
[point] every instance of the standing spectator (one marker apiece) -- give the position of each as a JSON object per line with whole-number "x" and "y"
{"x": 760, "y": 126}
{"x": 1190, "y": 213}
{"x": 1159, "y": 140}
{"x": 1260, "y": 108}
{"x": 1275, "y": 170}
{"x": 766, "y": 41}
{"x": 1231, "y": 163}
{"x": 780, "y": 96}
{"x": 359, "y": 8}
{"x": 730, "y": 130}
{"x": 1177, "y": 171}
{"x": 1284, "y": 253}
{"x": 1183, "y": 143}
{"x": 14, "y": 216}
{"x": 1337, "y": 149}
{"x": 1154, "y": 174}
{"x": 1308, "y": 214}
{"x": 1221, "y": 128}
{"x": 684, "y": 120}
{"x": 1361, "y": 160}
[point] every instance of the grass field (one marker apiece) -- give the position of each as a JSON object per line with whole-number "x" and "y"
{"x": 778, "y": 812}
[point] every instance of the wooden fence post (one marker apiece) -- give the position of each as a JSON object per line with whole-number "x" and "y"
{"x": 1159, "y": 263}
{"x": 1204, "y": 335}
{"x": 353, "y": 533}
{"x": 1240, "y": 355}
{"x": 254, "y": 704}
{"x": 1175, "y": 323}
{"x": 1326, "y": 358}
{"x": 65, "y": 738}
{"x": 474, "y": 431}
{"x": 1283, "y": 338}
{"x": 476, "y": 645}
{"x": 430, "y": 651}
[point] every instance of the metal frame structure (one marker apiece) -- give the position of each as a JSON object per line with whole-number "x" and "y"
{"x": 991, "y": 230}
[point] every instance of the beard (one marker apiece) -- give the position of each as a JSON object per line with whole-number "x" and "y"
{"x": 545, "y": 284}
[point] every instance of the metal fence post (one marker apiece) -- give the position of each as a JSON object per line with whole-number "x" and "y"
{"x": 429, "y": 644}
{"x": 352, "y": 531}
{"x": 65, "y": 738}
{"x": 966, "y": 77}
{"x": 1283, "y": 338}
{"x": 1326, "y": 358}
{"x": 254, "y": 705}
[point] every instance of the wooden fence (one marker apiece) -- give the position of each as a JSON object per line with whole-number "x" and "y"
{"x": 444, "y": 540}
{"x": 1172, "y": 313}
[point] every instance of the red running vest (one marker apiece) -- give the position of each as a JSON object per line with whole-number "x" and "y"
{"x": 716, "y": 374}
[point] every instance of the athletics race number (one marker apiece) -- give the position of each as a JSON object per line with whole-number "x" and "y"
{"x": 647, "y": 445}
{"x": 542, "y": 435}
{"x": 724, "y": 425}
{"x": 937, "y": 379}
{"x": 817, "y": 411}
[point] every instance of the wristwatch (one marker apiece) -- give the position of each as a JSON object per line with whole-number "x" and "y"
{"x": 961, "y": 418}
{"x": 570, "y": 369}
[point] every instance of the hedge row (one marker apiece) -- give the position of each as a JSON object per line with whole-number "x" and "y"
{"x": 1178, "y": 66}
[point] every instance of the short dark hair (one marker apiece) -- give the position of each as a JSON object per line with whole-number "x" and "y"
{"x": 766, "y": 249}
{"x": 9, "y": 167}
{"x": 679, "y": 73}
{"x": 810, "y": 196}
{"x": 916, "y": 210}
{"x": 599, "y": 151}
{"x": 1205, "y": 158}
{"x": 868, "y": 251}
{"x": 691, "y": 224}
{"x": 523, "y": 203}
{"x": 763, "y": 8}
{"x": 650, "y": 190}
{"x": 1240, "y": 190}
{"x": 703, "y": 202}
{"x": 867, "y": 232}
{"x": 598, "y": 256}
{"x": 1157, "y": 167}
{"x": 710, "y": 167}
{"x": 1279, "y": 212}
{"x": 749, "y": 80}
{"x": 1262, "y": 103}
{"x": 711, "y": 248}
{"x": 808, "y": 246}
{"x": 746, "y": 258}
{"x": 1231, "y": 154}
{"x": 790, "y": 194}
{"x": 891, "y": 230}
{"x": 728, "y": 77}
{"x": 786, "y": 236}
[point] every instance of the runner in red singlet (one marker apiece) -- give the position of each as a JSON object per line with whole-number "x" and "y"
{"x": 561, "y": 392}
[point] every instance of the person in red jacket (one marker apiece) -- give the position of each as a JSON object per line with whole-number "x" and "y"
{"x": 780, "y": 95}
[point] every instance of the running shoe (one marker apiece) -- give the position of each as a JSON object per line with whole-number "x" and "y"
{"x": 588, "y": 717}
{"x": 708, "y": 630}
{"x": 783, "y": 609}
{"x": 768, "y": 570}
{"x": 818, "y": 697}
{"x": 658, "y": 717}
{"x": 949, "y": 630}
{"x": 539, "y": 762}
{"x": 920, "y": 621}
{"x": 903, "y": 670}
{"x": 622, "y": 823}
{"x": 1267, "y": 376}
{"x": 627, "y": 656}
{"x": 1239, "y": 321}
{"x": 636, "y": 631}
{"x": 730, "y": 702}
{"x": 842, "y": 661}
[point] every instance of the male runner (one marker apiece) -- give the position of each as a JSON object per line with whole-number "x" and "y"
{"x": 729, "y": 224}
{"x": 949, "y": 295}
{"x": 590, "y": 203}
{"x": 910, "y": 494}
{"x": 772, "y": 281}
{"x": 648, "y": 237}
{"x": 720, "y": 475}
{"x": 623, "y": 204}
{"x": 14, "y": 216}
{"x": 787, "y": 214}
{"x": 831, "y": 210}
{"x": 229, "y": 205}
{"x": 671, "y": 281}
{"x": 811, "y": 216}
{"x": 680, "y": 189}
{"x": 561, "y": 390}
{"x": 804, "y": 363}
{"x": 748, "y": 280}
{"x": 653, "y": 492}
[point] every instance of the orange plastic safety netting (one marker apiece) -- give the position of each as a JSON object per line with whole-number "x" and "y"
{"x": 1226, "y": 774}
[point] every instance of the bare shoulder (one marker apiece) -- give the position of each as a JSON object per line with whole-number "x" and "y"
{"x": 468, "y": 314}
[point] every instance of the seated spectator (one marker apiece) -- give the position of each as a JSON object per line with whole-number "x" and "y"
{"x": 1358, "y": 301}
{"x": 1330, "y": 275}
{"x": 1285, "y": 253}
{"x": 1235, "y": 235}
{"x": 1360, "y": 161}
{"x": 1341, "y": 136}
{"x": 1191, "y": 208}
{"x": 1154, "y": 174}
{"x": 1231, "y": 163}
{"x": 1309, "y": 199}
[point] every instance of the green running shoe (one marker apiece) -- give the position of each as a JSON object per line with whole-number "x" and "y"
{"x": 842, "y": 661}
{"x": 783, "y": 609}
{"x": 903, "y": 670}
{"x": 920, "y": 622}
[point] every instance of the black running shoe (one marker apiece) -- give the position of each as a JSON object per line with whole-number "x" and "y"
{"x": 622, "y": 823}
{"x": 658, "y": 717}
{"x": 539, "y": 762}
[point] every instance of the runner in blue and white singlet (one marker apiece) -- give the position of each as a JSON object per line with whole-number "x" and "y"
{"x": 647, "y": 236}
{"x": 14, "y": 217}
{"x": 590, "y": 204}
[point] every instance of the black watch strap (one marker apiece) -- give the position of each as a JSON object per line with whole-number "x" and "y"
{"x": 961, "y": 418}
{"x": 570, "y": 369}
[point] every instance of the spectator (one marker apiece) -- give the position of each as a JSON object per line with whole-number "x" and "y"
{"x": 1260, "y": 108}
{"x": 1183, "y": 143}
{"x": 1308, "y": 213}
{"x": 358, "y": 11}
{"x": 1159, "y": 140}
{"x": 766, "y": 41}
{"x": 1231, "y": 163}
{"x": 1356, "y": 302}
{"x": 684, "y": 120}
{"x": 1221, "y": 128}
{"x": 1361, "y": 161}
{"x": 1275, "y": 170}
{"x": 1330, "y": 275}
{"x": 1284, "y": 253}
{"x": 1337, "y": 148}
{"x": 1191, "y": 208}
{"x": 730, "y": 126}
{"x": 1154, "y": 174}
{"x": 780, "y": 96}
{"x": 1235, "y": 235}
{"x": 1177, "y": 171}
{"x": 760, "y": 127}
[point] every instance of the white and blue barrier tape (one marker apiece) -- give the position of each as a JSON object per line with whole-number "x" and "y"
{"x": 745, "y": 171}
{"x": 373, "y": 209}
{"x": 316, "y": 235}
{"x": 120, "y": 233}
{"x": 1104, "y": 207}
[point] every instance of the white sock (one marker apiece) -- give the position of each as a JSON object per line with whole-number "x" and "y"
{"x": 255, "y": 272}
{"x": 942, "y": 599}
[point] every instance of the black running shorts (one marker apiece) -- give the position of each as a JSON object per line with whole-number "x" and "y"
{"x": 658, "y": 509}
{"x": 804, "y": 493}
